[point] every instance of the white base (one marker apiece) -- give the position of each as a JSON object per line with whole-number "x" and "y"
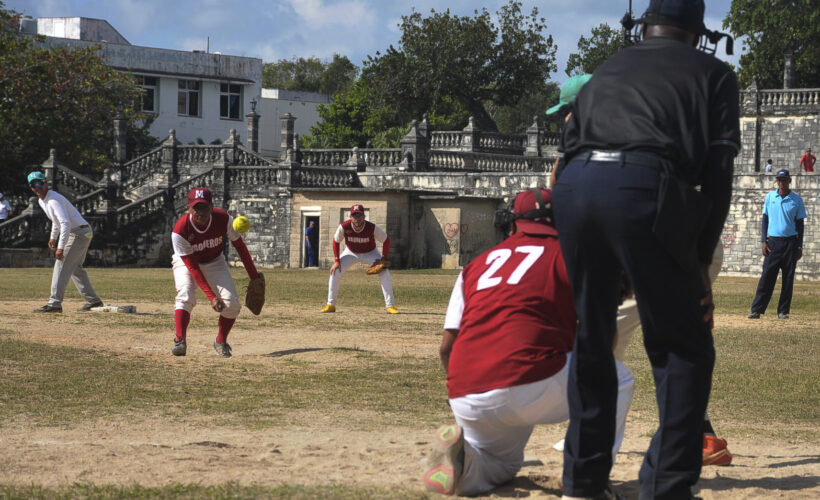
{"x": 110, "y": 308}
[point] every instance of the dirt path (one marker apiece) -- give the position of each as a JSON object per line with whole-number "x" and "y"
{"x": 155, "y": 452}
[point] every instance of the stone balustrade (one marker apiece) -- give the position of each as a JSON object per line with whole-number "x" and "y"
{"x": 325, "y": 157}
{"x": 482, "y": 162}
{"x": 135, "y": 172}
{"x": 380, "y": 157}
{"x": 137, "y": 211}
{"x": 76, "y": 183}
{"x": 446, "y": 139}
{"x": 200, "y": 154}
{"x": 495, "y": 142}
{"x": 325, "y": 177}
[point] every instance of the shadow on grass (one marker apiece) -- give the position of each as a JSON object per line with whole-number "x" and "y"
{"x": 788, "y": 483}
{"x": 288, "y": 352}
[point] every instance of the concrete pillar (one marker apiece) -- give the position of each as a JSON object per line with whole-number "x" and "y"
{"x": 788, "y": 70}
{"x": 288, "y": 122}
{"x": 169, "y": 160}
{"x": 533, "y": 147}
{"x": 253, "y": 128}
{"x": 49, "y": 168}
{"x": 120, "y": 136}
{"x": 415, "y": 147}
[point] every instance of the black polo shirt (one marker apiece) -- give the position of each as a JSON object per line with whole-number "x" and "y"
{"x": 660, "y": 96}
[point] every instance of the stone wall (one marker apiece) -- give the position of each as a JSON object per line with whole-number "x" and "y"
{"x": 741, "y": 234}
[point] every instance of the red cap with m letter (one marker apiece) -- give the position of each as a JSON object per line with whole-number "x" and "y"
{"x": 200, "y": 195}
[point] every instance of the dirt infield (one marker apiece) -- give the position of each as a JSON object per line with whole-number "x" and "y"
{"x": 157, "y": 451}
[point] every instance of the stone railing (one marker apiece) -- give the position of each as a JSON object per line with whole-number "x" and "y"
{"x": 141, "y": 168}
{"x": 494, "y": 142}
{"x": 481, "y": 162}
{"x": 137, "y": 211}
{"x": 780, "y": 101}
{"x": 446, "y": 140}
{"x": 247, "y": 158}
{"x": 548, "y": 138}
{"x": 210, "y": 153}
{"x": 180, "y": 189}
{"x": 17, "y": 230}
{"x": 253, "y": 175}
{"x": 325, "y": 157}
{"x": 91, "y": 202}
{"x": 72, "y": 183}
{"x": 325, "y": 177}
{"x": 380, "y": 157}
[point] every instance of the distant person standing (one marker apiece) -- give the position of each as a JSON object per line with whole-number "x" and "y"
{"x": 769, "y": 167}
{"x": 310, "y": 244}
{"x": 5, "y": 208}
{"x": 70, "y": 237}
{"x": 782, "y": 239}
{"x": 807, "y": 162}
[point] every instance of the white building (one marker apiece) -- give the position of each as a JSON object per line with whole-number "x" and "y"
{"x": 200, "y": 95}
{"x": 275, "y": 103}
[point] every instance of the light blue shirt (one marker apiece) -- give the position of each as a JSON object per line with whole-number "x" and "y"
{"x": 783, "y": 211}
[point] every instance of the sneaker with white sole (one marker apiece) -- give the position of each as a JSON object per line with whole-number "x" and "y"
{"x": 90, "y": 305}
{"x": 223, "y": 350}
{"x": 180, "y": 347}
{"x": 447, "y": 460}
{"x": 715, "y": 451}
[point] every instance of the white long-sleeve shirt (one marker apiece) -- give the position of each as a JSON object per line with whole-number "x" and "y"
{"x": 64, "y": 217}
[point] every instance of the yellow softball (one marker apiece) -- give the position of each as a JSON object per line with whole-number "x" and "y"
{"x": 241, "y": 224}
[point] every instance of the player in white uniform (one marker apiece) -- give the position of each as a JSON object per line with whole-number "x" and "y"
{"x": 360, "y": 237}
{"x": 70, "y": 237}
{"x": 198, "y": 239}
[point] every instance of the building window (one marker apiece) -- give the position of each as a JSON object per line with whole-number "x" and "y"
{"x": 188, "y": 98}
{"x": 230, "y": 101}
{"x": 150, "y": 94}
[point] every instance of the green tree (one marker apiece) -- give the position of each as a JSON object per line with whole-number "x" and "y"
{"x": 474, "y": 61}
{"x": 770, "y": 28}
{"x": 57, "y": 98}
{"x": 310, "y": 74}
{"x": 602, "y": 43}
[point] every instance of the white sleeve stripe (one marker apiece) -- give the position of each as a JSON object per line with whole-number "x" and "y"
{"x": 455, "y": 309}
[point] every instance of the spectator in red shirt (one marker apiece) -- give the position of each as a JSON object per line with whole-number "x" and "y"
{"x": 807, "y": 162}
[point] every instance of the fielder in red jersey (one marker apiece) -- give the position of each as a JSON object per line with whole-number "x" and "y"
{"x": 508, "y": 337}
{"x": 360, "y": 237}
{"x": 198, "y": 239}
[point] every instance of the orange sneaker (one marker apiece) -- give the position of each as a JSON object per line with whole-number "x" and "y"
{"x": 715, "y": 451}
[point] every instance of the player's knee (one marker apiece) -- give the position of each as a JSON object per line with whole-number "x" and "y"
{"x": 185, "y": 303}
{"x": 232, "y": 308}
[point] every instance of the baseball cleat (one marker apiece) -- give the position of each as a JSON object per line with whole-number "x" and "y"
{"x": 715, "y": 451}
{"x": 447, "y": 459}
{"x": 753, "y": 315}
{"x": 89, "y": 305}
{"x": 392, "y": 310}
{"x": 783, "y": 316}
{"x": 329, "y": 308}
{"x": 180, "y": 348}
{"x": 223, "y": 350}
{"x": 48, "y": 308}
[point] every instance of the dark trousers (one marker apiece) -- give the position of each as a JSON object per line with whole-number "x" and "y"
{"x": 782, "y": 257}
{"x": 311, "y": 253}
{"x": 604, "y": 213}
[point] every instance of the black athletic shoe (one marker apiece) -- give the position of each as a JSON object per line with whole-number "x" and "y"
{"x": 224, "y": 350}
{"x": 89, "y": 305}
{"x": 783, "y": 316}
{"x": 753, "y": 315}
{"x": 180, "y": 348}
{"x": 48, "y": 308}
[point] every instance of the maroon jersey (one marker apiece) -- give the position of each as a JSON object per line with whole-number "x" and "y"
{"x": 518, "y": 319}
{"x": 206, "y": 245}
{"x": 362, "y": 241}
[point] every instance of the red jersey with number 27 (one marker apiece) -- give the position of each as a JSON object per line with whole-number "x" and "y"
{"x": 516, "y": 319}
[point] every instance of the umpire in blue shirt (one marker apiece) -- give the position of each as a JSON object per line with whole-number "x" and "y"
{"x": 782, "y": 237}
{"x": 655, "y": 120}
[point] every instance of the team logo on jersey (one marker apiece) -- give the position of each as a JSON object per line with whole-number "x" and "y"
{"x": 211, "y": 243}
{"x": 357, "y": 239}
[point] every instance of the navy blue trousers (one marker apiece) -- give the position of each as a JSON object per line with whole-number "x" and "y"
{"x": 782, "y": 257}
{"x": 604, "y": 213}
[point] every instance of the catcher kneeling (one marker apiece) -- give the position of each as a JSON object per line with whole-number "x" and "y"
{"x": 197, "y": 239}
{"x": 360, "y": 237}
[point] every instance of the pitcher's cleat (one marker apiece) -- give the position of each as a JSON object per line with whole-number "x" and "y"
{"x": 48, "y": 308}
{"x": 90, "y": 305}
{"x": 715, "y": 451}
{"x": 329, "y": 308}
{"x": 180, "y": 347}
{"x": 392, "y": 310}
{"x": 223, "y": 350}
{"x": 447, "y": 460}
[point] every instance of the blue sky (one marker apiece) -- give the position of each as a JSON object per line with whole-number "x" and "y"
{"x": 282, "y": 29}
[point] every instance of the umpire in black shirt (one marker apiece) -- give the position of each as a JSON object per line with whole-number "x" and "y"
{"x": 655, "y": 120}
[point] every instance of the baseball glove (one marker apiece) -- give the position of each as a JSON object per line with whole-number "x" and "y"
{"x": 255, "y": 294}
{"x": 378, "y": 266}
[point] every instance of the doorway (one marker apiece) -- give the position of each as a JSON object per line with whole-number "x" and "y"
{"x": 313, "y": 234}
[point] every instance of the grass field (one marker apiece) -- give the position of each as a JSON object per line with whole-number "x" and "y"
{"x": 358, "y": 370}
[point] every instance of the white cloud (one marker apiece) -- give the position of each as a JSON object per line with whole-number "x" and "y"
{"x": 319, "y": 14}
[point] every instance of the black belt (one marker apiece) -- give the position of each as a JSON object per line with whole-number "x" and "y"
{"x": 782, "y": 237}
{"x": 623, "y": 157}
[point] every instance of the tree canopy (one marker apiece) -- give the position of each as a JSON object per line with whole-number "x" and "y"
{"x": 602, "y": 43}
{"x": 770, "y": 28}
{"x": 57, "y": 98}
{"x": 310, "y": 74}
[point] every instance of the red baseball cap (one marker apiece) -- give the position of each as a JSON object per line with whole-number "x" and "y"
{"x": 200, "y": 195}
{"x": 526, "y": 204}
{"x": 358, "y": 208}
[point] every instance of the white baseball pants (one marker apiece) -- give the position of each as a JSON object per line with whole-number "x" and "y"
{"x": 349, "y": 258}
{"x": 71, "y": 266}
{"x": 497, "y": 425}
{"x": 219, "y": 278}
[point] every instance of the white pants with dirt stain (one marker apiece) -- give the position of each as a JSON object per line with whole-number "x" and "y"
{"x": 349, "y": 258}
{"x": 218, "y": 277}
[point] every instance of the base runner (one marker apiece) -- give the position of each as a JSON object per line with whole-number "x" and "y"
{"x": 360, "y": 237}
{"x": 198, "y": 239}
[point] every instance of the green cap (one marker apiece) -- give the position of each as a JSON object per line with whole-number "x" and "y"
{"x": 569, "y": 90}
{"x": 36, "y": 176}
